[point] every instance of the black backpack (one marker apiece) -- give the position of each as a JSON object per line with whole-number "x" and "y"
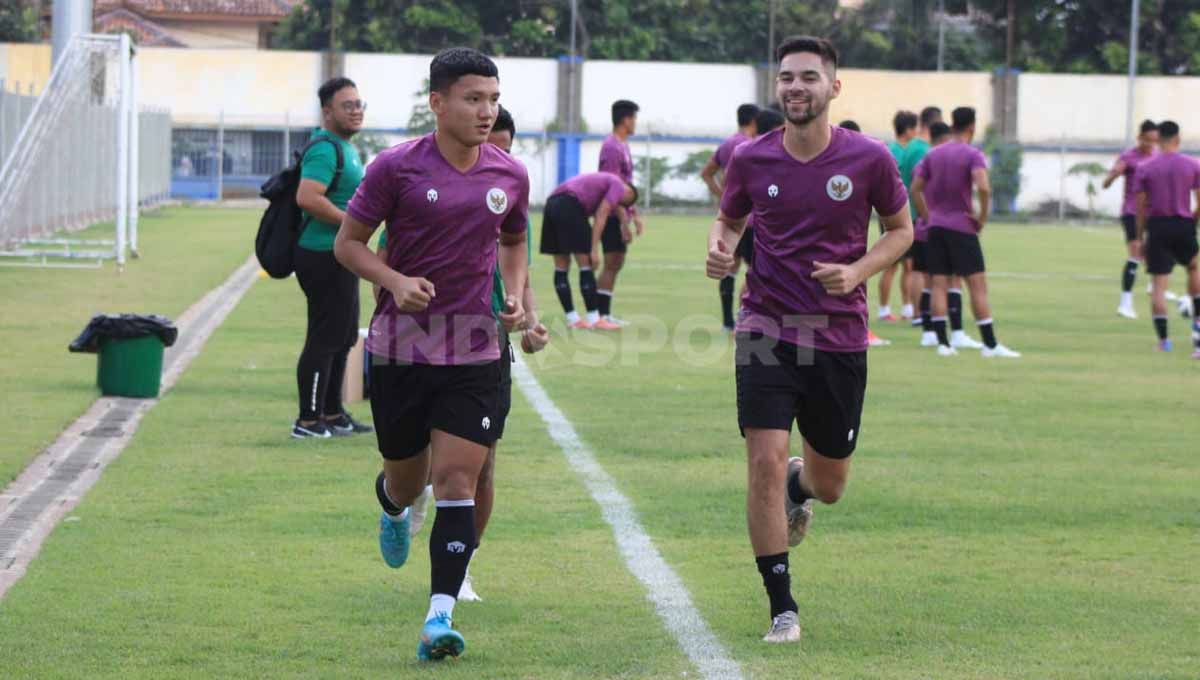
{"x": 282, "y": 222}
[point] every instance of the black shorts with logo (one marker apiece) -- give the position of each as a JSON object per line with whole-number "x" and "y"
{"x": 1129, "y": 224}
{"x": 822, "y": 392}
{"x": 1170, "y": 241}
{"x": 953, "y": 253}
{"x": 745, "y": 246}
{"x": 409, "y": 401}
{"x": 610, "y": 239}
{"x": 565, "y": 227}
{"x": 920, "y": 256}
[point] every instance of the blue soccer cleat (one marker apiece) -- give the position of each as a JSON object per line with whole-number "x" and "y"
{"x": 394, "y": 540}
{"x": 439, "y": 640}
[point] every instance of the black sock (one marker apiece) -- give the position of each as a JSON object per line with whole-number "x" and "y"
{"x": 587, "y": 286}
{"x": 939, "y": 327}
{"x": 725, "y": 286}
{"x": 954, "y": 306}
{"x": 988, "y": 331}
{"x": 778, "y": 582}
{"x": 384, "y": 502}
{"x": 926, "y": 317}
{"x": 451, "y": 543}
{"x": 795, "y": 490}
{"x": 1128, "y": 274}
{"x": 562, "y": 286}
{"x": 1196, "y": 308}
{"x": 604, "y": 301}
{"x": 1160, "y": 327}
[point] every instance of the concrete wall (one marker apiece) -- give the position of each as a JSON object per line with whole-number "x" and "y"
{"x": 871, "y": 98}
{"x": 214, "y": 34}
{"x": 1091, "y": 109}
{"x": 25, "y": 63}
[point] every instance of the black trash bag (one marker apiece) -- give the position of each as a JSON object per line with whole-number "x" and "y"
{"x": 124, "y": 327}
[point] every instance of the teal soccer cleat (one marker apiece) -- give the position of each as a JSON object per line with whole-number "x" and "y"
{"x": 439, "y": 640}
{"x": 394, "y": 540}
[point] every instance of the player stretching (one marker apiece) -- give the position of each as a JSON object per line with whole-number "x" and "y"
{"x": 802, "y": 332}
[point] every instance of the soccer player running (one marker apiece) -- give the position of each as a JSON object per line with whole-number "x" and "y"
{"x": 714, "y": 178}
{"x": 942, "y": 192}
{"x": 616, "y": 158}
{"x": 904, "y": 124}
{"x": 1126, "y": 166}
{"x": 802, "y": 333}
{"x": 435, "y": 377}
{"x": 1166, "y": 225}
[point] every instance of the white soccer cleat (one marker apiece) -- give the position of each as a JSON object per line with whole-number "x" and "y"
{"x": 1185, "y": 307}
{"x": 418, "y": 510}
{"x": 946, "y": 351}
{"x": 1171, "y": 297}
{"x": 798, "y": 514}
{"x": 999, "y": 352}
{"x": 1127, "y": 311}
{"x": 466, "y": 592}
{"x": 929, "y": 339}
{"x": 616, "y": 321}
{"x": 960, "y": 340}
{"x": 785, "y": 628}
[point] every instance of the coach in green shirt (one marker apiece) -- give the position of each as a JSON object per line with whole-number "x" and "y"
{"x": 331, "y": 290}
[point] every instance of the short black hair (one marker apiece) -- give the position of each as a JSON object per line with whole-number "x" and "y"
{"x": 1148, "y": 126}
{"x": 938, "y": 130}
{"x": 849, "y": 125}
{"x": 622, "y": 109}
{"x": 903, "y": 122}
{"x": 767, "y": 120}
{"x": 1168, "y": 129}
{"x": 807, "y": 43}
{"x": 963, "y": 117}
{"x": 504, "y": 122}
{"x": 636, "y": 195}
{"x": 451, "y": 64}
{"x": 746, "y": 114}
{"x": 331, "y": 87}
{"x": 930, "y": 115}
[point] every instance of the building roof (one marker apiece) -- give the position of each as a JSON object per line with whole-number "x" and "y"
{"x": 229, "y": 9}
{"x": 144, "y": 32}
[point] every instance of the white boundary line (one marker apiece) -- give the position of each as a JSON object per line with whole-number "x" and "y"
{"x": 663, "y": 586}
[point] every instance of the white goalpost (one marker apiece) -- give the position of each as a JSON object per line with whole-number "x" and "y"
{"x": 75, "y": 160}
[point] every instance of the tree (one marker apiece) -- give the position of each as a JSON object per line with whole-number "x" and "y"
{"x": 18, "y": 21}
{"x": 1090, "y": 170}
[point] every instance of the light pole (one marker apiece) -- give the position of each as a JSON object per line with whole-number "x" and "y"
{"x": 1133, "y": 54}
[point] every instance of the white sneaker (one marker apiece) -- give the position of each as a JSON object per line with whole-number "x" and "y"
{"x": 798, "y": 514}
{"x": 929, "y": 339}
{"x": 785, "y": 628}
{"x": 946, "y": 351}
{"x": 616, "y": 320}
{"x": 1171, "y": 297}
{"x": 1127, "y": 311}
{"x": 960, "y": 340}
{"x": 1185, "y": 307}
{"x": 417, "y": 511}
{"x": 906, "y": 312}
{"x": 999, "y": 351}
{"x": 466, "y": 593}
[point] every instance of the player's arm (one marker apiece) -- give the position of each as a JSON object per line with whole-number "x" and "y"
{"x": 536, "y": 335}
{"x": 722, "y": 242}
{"x": 598, "y": 222}
{"x": 1143, "y": 209}
{"x": 917, "y": 194}
{"x": 1117, "y": 171}
{"x": 381, "y": 252}
{"x": 983, "y": 191}
{"x": 352, "y": 250}
{"x": 842, "y": 279}
{"x": 709, "y": 175}
{"x": 514, "y": 270}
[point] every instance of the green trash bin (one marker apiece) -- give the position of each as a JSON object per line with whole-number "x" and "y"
{"x": 130, "y": 367}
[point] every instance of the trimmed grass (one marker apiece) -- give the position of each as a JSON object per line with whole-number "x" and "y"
{"x": 1019, "y": 519}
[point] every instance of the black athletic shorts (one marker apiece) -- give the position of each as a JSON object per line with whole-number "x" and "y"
{"x": 409, "y": 401}
{"x": 506, "y": 361}
{"x": 949, "y": 252}
{"x": 1129, "y": 224}
{"x": 566, "y": 228}
{"x": 745, "y": 246}
{"x": 1170, "y": 241}
{"x": 920, "y": 256}
{"x": 610, "y": 238}
{"x": 778, "y": 383}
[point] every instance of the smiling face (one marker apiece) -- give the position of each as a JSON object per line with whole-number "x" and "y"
{"x": 467, "y": 108}
{"x": 344, "y": 113}
{"x": 805, "y": 86}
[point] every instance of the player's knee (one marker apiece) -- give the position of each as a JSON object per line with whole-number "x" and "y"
{"x": 457, "y": 482}
{"x": 828, "y": 491}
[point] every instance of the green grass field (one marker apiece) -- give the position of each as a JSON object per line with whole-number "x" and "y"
{"x": 1028, "y": 519}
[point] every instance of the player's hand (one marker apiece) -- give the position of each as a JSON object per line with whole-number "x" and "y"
{"x": 412, "y": 294}
{"x": 838, "y": 279}
{"x": 720, "y": 260}
{"x": 641, "y": 228}
{"x": 535, "y": 339}
{"x": 627, "y": 233}
{"x": 513, "y": 317}
{"x": 979, "y": 222}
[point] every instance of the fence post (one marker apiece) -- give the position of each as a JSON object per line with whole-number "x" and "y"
{"x": 221, "y": 155}
{"x": 1062, "y": 177}
{"x": 134, "y": 119}
{"x": 649, "y": 170}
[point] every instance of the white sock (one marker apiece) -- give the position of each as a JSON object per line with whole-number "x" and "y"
{"x": 1126, "y": 299}
{"x": 884, "y": 310}
{"x": 907, "y": 311}
{"x": 403, "y": 514}
{"x": 400, "y": 517}
{"x": 572, "y": 317}
{"x": 440, "y": 604}
{"x": 593, "y": 317}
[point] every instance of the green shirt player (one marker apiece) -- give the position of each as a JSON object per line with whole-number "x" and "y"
{"x": 904, "y": 124}
{"x": 330, "y": 290}
{"x": 532, "y": 340}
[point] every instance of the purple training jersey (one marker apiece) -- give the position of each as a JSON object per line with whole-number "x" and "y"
{"x": 947, "y": 170}
{"x": 725, "y": 150}
{"x": 442, "y": 224}
{"x": 803, "y": 213}
{"x": 592, "y": 188}
{"x": 1132, "y": 158}
{"x": 616, "y": 158}
{"x": 1168, "y": 181}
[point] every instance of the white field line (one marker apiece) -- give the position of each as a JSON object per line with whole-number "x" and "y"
{"x": 663, "y": 586}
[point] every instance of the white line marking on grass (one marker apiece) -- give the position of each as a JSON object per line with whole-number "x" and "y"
{"x": 56, "y": 480}
{"x": 663, "y": 586}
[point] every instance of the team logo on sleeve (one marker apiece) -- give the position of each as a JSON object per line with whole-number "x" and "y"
{"x": 497, "y": 200}
{"x": 839, "y": 187}
{"x": 431, "y": 196}
{"x": 773, "y": 191}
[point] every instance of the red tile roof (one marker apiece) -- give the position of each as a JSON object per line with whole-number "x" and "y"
{"x": 145, "y": 32}
{"x": 264, "y": 9}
